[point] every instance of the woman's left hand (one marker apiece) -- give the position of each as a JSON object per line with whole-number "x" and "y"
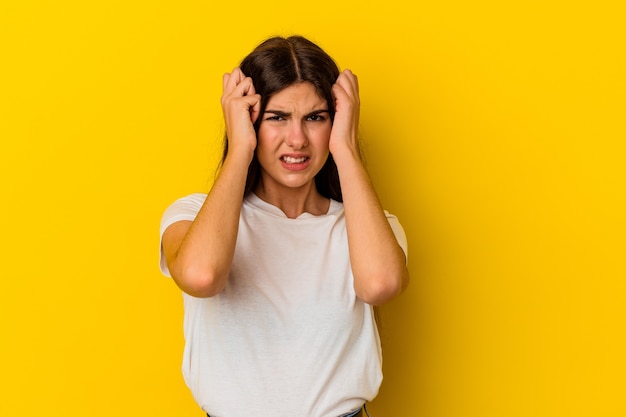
{"x": 378, "y": 262}
{"x": 344, "y": 134}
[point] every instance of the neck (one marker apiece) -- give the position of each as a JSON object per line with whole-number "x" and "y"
{"x": 294, "y": 201}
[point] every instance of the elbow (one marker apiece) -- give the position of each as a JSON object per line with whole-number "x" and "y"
{"x": 201, "y": 283}
{"x": 380, "y": 289}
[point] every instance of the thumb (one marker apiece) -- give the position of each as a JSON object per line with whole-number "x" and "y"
{"x": 255, "y": 107}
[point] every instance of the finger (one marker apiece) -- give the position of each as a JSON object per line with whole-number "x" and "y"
{"x": 349, "y": 82}
{"x": 238, "y": 73}
{"x": 245, "y": 87}
{"x": 250, "y": 88}
{"x": 255, "y": 103}
{"x": 339, "y": 93}
{"x": 343, "y": 85}
{"x": 255, "y": 107}
{"x": 354, "y": 80}
{"x": 234, "y": 78}
{"x": 241, "y": 89}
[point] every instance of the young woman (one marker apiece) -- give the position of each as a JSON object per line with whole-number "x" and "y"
{"x": 282, "y": 262}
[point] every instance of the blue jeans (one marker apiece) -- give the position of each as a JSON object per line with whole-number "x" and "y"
{"x": 355, "y": 413}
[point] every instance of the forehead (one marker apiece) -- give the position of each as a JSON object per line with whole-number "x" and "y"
{"x": 300, "y": 95}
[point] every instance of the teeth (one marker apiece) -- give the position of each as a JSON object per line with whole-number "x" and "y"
{"x": 292, "y": 160}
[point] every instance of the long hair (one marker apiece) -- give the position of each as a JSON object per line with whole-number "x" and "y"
{"x": 278, "y": 63}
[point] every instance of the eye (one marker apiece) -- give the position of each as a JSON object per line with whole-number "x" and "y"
{"x": 316, "y": 118}
{"x": 274, "y": 118}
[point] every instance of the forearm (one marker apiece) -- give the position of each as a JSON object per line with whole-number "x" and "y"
{"x": 203, "y": 260}
{"x": 378, "y": 262}
{"x": 199, "y": 254}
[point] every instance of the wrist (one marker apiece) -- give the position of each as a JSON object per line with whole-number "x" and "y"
{"x": 345, "y": 154}
{"x": 239, "y": 156}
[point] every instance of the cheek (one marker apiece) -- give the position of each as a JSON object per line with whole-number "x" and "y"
{"x": 265, "y": 138}
{"x": 322, "y": 137}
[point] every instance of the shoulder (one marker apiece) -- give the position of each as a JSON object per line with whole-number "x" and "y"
{"x": 188, "y": 202}
{"x": 184, "y": 208}
{"x": 398, "y": 231}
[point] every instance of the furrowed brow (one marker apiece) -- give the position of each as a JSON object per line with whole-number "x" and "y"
{"x": 316, "y": 112}
{"x": 278, "y": 113}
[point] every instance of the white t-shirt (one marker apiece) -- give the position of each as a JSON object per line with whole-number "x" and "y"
{"x": 287, "y": 336}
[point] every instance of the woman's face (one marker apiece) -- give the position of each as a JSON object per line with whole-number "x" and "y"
{"x": 293, "y": 137}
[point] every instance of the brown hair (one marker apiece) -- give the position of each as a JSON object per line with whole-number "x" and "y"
{"x": 277, "y": 63}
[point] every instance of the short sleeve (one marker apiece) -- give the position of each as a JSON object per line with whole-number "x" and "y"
{"x": 398, "y": 231}
{"x": 185, "y": 208}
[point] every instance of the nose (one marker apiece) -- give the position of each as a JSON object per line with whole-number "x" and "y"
{"x": 297, "y": 137}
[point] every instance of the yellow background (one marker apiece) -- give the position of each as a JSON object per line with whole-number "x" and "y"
{"x": 494, "y": 130}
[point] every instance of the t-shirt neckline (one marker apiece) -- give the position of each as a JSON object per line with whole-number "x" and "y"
{"x": 257, "y": 202}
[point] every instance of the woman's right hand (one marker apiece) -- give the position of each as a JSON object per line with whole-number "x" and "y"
{"x": 241, "y": 107}
{"x": 199, "y": 254}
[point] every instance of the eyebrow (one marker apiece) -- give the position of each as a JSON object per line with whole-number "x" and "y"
{"x": 287, "y": 114}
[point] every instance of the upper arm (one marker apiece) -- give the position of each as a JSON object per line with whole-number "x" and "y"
{"x": 171, "y": 240}
{"x": 399, "y": 233}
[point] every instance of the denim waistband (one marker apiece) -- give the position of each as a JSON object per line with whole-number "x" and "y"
{"x": 355, "y": 413}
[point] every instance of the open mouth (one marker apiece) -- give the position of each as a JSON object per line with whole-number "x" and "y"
{"x": 294, "y": 160}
